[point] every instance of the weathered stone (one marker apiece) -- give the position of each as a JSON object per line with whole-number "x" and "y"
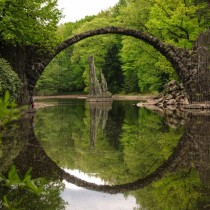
{"x": 171, "y": 102}
{"x": 181, "y": 86}
{"x": 160, "y": 100}
{"x": 152, "y": 102}
{"x": 169, "y": 112}
{"x": 174, "y": 94}
{"x": 179, "y": 97}
{"x": 172, "y": 83}
{"x": 168, "y": 97}
{"x": 98, "y": 92}
{"x": 184, "y": 101}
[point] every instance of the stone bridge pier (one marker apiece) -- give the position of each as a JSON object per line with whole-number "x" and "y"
{"x": 202, "y": 56}
{"x": 192, "y": 67}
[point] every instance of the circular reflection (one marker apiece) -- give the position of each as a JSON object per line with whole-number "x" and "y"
{"x": 120, "y": 143}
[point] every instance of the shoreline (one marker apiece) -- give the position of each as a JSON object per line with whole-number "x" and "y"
{"x": 114, "y": 97}
{"x": 41, "y": 104}
{"x": 146, "y": 101}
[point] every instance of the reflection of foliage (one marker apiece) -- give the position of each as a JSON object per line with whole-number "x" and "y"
{"x": 11, "y": 145}
{"x": 57, "y": 126}
{"x": 178, "y": 190}
{"x": 8, "y": 110}
{"x": 147, "y": 143}
{"x": 8, "y": 113}
{"x": 144, "y": 143}
{"x": 16, "y": 191}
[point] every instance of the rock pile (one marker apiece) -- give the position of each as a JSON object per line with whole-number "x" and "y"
{"x": 173, "y": 95}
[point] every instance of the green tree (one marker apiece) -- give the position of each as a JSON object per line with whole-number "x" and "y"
{"x": 61, "y": 75}
{"x": 130, "y": 62}
{"x": 112, "y": 68}
{"x": 95, "y": 46}
{"x": 175, "y": 22}
{"x": 27, "y": 22}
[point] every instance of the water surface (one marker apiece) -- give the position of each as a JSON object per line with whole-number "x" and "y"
{"x": 113, "y": 156}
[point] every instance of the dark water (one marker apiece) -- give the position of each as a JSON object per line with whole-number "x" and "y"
{"x": 111, "y": 156}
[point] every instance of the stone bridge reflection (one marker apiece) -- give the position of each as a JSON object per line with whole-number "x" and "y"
{"x": 191, "y": 150}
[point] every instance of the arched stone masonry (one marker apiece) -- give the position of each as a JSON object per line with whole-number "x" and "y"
{"x": 30, "y": 62}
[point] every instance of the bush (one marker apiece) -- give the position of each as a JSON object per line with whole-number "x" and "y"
{"x": 9, "y": 80}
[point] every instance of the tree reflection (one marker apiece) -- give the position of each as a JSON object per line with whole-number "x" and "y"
{"x": 165, "y": 172}
{"x": 20, "y": 147}
{"x": 179, "y": 161}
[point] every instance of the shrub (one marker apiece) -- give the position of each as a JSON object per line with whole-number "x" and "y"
{"x": 9, "y": 80}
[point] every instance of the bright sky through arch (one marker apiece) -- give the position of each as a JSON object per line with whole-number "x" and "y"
{"x": 77, "y": 9}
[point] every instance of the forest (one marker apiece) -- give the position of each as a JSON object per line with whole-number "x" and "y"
{"x": 130, "y": 66}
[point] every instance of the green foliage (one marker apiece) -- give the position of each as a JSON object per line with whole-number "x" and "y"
{"x": 175, "y": 190}
{"x": 175, "y": 22}
{"x": 60, "y": 77}
{"x": 98, "y": 47}
{"x": 147, "y": 142}
{"x": 9, "y": 80}
{"x": 112, "y": 68}
{"x": 132, "y": 144}
{"x": 69, "y": 71}
{"x": 29, "y": 22}
{"x": 14, "y": 183}
{"x": 8, "y": 110}
{"x": 178, "y": 190}
{"x": 129, "y": 65}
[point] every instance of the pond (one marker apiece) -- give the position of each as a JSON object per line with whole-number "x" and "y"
{"x": 111, "y": 156}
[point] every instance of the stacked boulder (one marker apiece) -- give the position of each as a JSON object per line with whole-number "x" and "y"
{"x": 173, "y": 95}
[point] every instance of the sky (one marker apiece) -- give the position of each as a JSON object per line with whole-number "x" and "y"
{"x": 81, "y": 198}
{"x": 77, "y": 9}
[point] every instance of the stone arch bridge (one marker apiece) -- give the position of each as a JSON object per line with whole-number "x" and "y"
{"x": 30, "y": 62}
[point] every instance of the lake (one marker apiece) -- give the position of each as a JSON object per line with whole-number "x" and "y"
{"x": 111, "y": 156}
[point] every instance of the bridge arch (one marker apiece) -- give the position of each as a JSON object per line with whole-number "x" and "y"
{"x": 29, "y": 62}
{"x": 181, "y": 60}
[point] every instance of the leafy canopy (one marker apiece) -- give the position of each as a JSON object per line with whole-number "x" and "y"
{"x": 27, "y": 22}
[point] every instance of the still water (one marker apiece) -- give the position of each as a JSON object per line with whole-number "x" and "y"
{"x": 112, "y": 156}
